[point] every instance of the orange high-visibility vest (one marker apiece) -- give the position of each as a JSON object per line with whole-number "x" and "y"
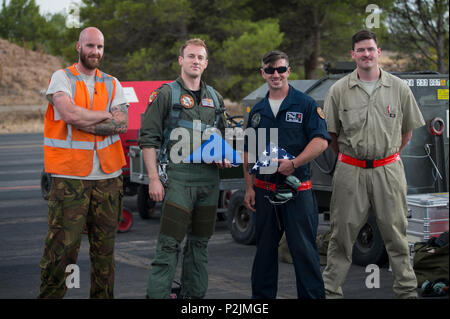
{"x": 70, "y": 151}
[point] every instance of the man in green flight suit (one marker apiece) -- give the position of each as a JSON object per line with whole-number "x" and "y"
{"x": 192, "y": 189}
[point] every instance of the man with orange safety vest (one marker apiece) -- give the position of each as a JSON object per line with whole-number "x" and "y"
{"x": 370, "y": 116}
{"x": 83, "y": 153}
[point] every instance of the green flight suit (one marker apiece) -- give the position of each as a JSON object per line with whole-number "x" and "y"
{"x": 370, "y": 127}
{"x": 191, "y": 196}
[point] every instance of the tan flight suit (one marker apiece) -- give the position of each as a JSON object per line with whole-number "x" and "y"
{"x": 370, "y": 127}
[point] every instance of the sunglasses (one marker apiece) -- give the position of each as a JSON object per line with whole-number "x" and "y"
{"x": 280, "y": 69}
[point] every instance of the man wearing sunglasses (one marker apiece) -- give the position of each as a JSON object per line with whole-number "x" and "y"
{"x": 302, "y": 133}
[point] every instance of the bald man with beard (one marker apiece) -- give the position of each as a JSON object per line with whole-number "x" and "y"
{"x": 87, "y": 111}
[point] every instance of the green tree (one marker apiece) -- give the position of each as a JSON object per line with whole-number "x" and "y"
{"x": 21, "y": 23}
{"x": 420, "y": 28}
{"x": 241, "y": 56}
{"x": 142, "y": 38}
{"x": 139, "y": 35}
{"x": 317, "y": 28}
{"x": 53, "y": 34}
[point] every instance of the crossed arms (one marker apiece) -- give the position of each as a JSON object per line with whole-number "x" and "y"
{"x": 95, "y": 122}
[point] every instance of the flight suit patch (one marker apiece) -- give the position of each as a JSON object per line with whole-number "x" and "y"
{"x": 208, "y": 102}
{"x": 256, "y": 118}
{"x": 187, "y": 101}
{"x": 294, "y": 117}
{"x": 320, "y": 112}
{"x": 152, "y": 97}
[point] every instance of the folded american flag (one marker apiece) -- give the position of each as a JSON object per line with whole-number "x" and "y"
{"x": 265, "y": 160}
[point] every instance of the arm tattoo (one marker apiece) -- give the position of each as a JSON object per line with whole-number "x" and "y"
{"x": 117, "y": 125}
{"x": 57, "y": 95}
{"x": 120, "y": 108}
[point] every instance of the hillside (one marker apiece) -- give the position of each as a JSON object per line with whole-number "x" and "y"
{"x": 24, "y": 74}
{"x": 390, "y": 62}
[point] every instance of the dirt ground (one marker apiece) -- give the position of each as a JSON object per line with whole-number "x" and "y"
{"x": 24, "y": 78}
{"x": 22, "y": 122}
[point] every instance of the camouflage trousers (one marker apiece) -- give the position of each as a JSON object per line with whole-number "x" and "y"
{"x": 72, "y": 205}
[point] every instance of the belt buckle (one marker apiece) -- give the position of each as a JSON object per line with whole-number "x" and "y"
{"x": 267, "y": 186}
{"x": 369, "y": 163}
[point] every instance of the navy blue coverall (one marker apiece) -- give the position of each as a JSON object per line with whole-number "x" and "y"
{"x": 298, "y": 122}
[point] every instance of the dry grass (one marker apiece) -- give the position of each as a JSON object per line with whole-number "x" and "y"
{"x": 24, "y": 78}
{"x": 24, "y": 74}
{"x": 21, "y": 122}
{"x": 233, "y": 108}
{"x": 393, "y": 62}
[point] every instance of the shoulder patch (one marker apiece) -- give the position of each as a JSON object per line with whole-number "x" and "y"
{"x": 152, "y": 97}
{"x": 254, "y": 121}
{"x": 320, "y": 112}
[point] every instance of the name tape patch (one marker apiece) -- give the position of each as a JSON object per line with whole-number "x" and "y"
{"x": 294, "y": 117}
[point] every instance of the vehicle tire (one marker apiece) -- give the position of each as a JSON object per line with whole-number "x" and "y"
{"x": 126, "y": 221}
{"x": 241, "y": 221}
{"x": 146, "y": 206}
{"x": 46, "y": 183}
{"x": 224, "y": 200}
{"x": 369, "y": 246}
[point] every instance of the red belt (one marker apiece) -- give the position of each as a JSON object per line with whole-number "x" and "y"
{"x": 271, "y": 186}
{"x": 368, "y": 163}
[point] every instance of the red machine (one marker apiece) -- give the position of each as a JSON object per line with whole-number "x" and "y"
{"x": 137, "y": 94}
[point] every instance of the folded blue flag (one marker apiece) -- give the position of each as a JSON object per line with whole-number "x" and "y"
{"x": 271, "y": 152}
{"x": 215, "y": 149}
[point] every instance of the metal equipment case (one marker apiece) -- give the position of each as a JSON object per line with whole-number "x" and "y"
{"x": 427, "y": 216}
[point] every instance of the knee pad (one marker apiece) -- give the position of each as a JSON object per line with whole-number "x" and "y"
{"x": 174, "y": 221}
{"x": 204, "y": 221}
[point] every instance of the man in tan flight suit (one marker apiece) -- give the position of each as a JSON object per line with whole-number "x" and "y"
{"x": 370, "y": 116}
